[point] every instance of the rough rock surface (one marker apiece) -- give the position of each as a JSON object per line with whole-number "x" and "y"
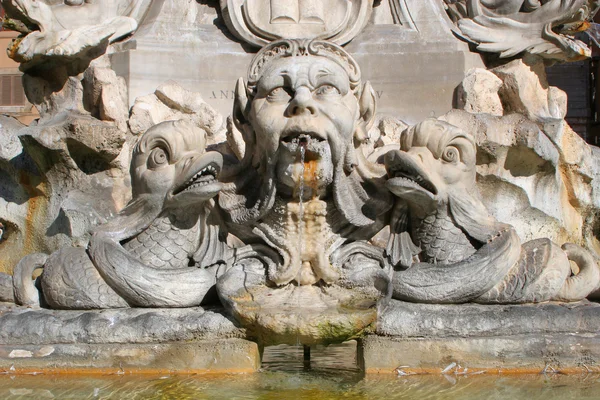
{"x": 534, "y": 171}
{"x": 478, "y": 93}
{"x": 67, "y": 171}
{"x": 105, "y": 94}
{"x": 22, "y": 326}
{"x": 525, "y": 90}
{"x": 64, "y": 176}
{"x": 171, "y": 101}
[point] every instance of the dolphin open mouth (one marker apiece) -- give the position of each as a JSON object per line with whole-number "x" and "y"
{"x": 204, "y": 177}
{"x": 200, "y": 178}
{"x": 404, "y": 172}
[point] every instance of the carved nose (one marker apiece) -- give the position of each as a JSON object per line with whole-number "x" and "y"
{"x": 302, "y": 103}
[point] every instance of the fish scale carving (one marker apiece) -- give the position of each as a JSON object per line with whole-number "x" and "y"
{"x": 163, "y": 245}
{"x": 441, "y": 241}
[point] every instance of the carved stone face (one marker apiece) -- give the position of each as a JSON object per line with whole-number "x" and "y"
{"x": 304, "y": 102}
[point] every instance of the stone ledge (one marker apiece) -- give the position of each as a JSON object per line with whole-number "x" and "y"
{"x": 427, "y": 338}
{"x": 25, "y": 326}
{"x": 208, "y": 356}
{"x": 503, "y": 354}
{"x": 411, "y": 320}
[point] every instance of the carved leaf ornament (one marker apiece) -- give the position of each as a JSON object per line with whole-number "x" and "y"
{"x": 511, "y": 27}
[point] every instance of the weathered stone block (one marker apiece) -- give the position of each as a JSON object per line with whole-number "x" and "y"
{"x": 207, "y": 356}
{"x": 517, "y": 338}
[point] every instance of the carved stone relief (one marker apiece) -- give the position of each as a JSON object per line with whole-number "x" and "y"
{"x": 69, "y": 31}
{"x": 258, "y": 22}
{"x": 307, "y": 212}
{"x": 544, "y": 28}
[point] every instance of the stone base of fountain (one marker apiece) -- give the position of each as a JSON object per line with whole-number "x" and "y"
{"x": 416, "y": 338}
{"x": 425, "y": 338}
{"x": 190, "y": 340}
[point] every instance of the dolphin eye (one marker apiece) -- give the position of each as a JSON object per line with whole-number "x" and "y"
{"x": 451, "y": 154}
{"x": 158, "y": 157}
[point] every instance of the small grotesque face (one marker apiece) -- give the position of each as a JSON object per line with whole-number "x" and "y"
{"x": 169, "y": 161}
{"x": 434, "y": 158}
{"x": 304, "y": 109}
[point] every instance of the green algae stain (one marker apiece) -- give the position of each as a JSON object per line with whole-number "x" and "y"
{"x": 331, "y": 332}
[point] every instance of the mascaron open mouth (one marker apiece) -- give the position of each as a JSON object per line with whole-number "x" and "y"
{"x": 312, "y": 142}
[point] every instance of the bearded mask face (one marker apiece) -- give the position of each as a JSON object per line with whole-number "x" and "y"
{"x": 304, "y": 115}
{"x": 304, "y": 101}
{"x": 304, "y": 105}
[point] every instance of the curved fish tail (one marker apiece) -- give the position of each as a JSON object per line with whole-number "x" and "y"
{"x": 25, "y": 291}
{"x": 578, "y": 287}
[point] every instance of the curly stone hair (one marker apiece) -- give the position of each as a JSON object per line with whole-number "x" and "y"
{"x": 303, "y": 48}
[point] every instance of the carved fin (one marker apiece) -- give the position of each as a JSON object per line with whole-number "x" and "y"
{"x": 350, "y": 198}
{"x": 400, "y": 248}
{"x": 213, "y": 250}
{"x": 360, "y": 197}
{"x": 470, "y": 214}
{"x": 463, "y": 281}
{"x": 133, "y": 219}
{"x": 144, "y": 286}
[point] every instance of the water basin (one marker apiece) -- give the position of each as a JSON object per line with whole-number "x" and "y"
{"x": 332, "y": 375}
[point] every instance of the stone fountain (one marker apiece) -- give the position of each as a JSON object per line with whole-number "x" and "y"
{"x": 397, "y": 172}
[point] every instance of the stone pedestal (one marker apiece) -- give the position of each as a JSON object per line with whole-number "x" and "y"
{"x": 463, "y": 339}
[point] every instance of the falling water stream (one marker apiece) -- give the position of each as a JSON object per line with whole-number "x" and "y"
{"x": 302, "y": 151}
{"x": 302, "y": 154}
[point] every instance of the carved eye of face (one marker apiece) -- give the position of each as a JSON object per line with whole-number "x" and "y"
{"x": 158, "y": 158}
{"x": 327, "y": 90}
{"x": 451, "y": 155}
{"x": 279, "y": 94}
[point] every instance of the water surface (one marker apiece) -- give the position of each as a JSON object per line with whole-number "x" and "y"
{"x": 332, "y": 375}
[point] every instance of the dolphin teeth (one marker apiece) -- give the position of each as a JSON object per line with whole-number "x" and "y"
{"x": 203, "y": 177}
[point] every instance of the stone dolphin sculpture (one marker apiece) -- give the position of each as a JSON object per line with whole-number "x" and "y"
{"x": 162, "y": 250}
{"x": 462, "y": 253}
